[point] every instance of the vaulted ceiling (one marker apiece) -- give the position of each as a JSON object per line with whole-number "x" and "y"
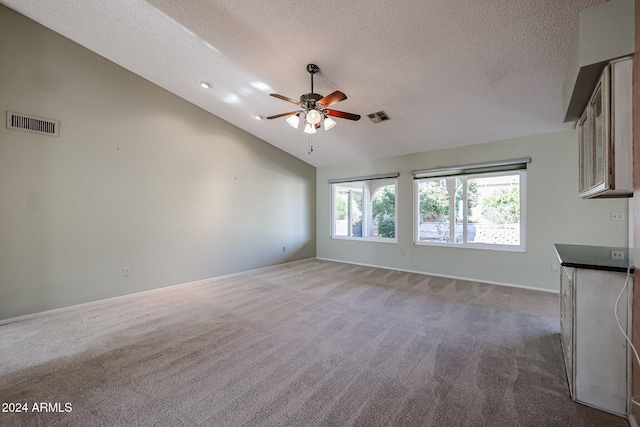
{"x": 447, "y": 73}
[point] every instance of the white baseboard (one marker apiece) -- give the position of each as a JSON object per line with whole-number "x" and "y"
{"x": 553, "y": 291}
{"x": 164, "y": 288}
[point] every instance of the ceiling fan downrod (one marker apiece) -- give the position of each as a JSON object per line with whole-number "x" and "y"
{"x": 312, "y": 69}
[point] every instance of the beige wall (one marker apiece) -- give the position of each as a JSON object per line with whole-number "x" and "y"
{"x": 138, "y": 177}
{"x": 555, "y": 214}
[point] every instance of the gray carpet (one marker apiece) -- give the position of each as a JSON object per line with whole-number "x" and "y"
{"x": 312, "y": 343}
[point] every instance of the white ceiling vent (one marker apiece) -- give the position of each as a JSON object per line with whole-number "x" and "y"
{"x": 33, "y": 124}
{"x": 378, "y": 117}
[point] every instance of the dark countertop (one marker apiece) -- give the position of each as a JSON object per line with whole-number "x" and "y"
{"x": 594, "y": 257}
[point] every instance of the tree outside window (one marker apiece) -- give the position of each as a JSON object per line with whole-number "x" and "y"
{"x": 365, "y": 209}
{"x": 474, "y": 210}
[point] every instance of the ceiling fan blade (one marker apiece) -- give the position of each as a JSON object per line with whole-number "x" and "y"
{"x": 281, "y": 115}
{"x": 343, "y": 115}
{"x": 332, "y": 98}
{"x": 284, "y": 98}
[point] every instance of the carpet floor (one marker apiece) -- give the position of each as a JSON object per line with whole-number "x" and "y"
{"x": 311, "y": 343}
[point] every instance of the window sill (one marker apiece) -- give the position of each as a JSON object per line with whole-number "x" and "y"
{"x": 481, "y": 246}
{"x": 366, "y": 239}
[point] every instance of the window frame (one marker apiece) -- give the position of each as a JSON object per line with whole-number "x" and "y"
{"x": 522, "y": 247}
{"x": 333, "y": 185}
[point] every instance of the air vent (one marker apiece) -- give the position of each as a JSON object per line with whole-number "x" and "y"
{"x": 33, "y": 124}
{"x": 378, "y": 117}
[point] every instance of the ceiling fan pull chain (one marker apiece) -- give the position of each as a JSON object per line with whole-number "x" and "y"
{"x": 310, "y": 145}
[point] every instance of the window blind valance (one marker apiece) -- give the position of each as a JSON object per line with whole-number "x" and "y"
{"x": 497, "y": 166}
{"x": 365, "y": 178}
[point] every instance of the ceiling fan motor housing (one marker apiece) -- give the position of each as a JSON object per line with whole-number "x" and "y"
{"x": 309, "y": 100}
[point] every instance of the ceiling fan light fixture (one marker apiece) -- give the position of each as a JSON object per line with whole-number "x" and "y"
{"x": 329, "y": 123}
{"x": 314, "y": 117}
{"x": 309, "y": 128}
{"x": 294, "y": 121}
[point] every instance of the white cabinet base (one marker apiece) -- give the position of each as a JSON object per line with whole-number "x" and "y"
{"x": 596, "y": 353}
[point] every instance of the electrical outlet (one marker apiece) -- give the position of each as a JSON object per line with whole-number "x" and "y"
{"x": 126, "y": 271}
{"x": 554, "y": 267}
{"x": 617, "y": 216}
{"x": 617, "y": 254}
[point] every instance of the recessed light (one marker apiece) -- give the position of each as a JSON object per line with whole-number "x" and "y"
{"x": 205, "y": 84}
{"x": 259, "y": 116}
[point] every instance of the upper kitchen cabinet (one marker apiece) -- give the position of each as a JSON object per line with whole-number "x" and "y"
{"x": 605, "y": 32}
{"x": 605, "y": 135}
{"x": 598, "y": 95}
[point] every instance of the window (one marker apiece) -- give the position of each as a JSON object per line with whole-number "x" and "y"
{"x": 478, "y": 209}
{"x": 365, "y": 209}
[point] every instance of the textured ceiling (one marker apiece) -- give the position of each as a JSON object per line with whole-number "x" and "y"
{"x": 447, "y": 73}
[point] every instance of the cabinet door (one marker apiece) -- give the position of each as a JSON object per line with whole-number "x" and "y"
{"x": 599, "y": 135}
{"x": 584, "y": 137}
{"x": 566, "y": 323}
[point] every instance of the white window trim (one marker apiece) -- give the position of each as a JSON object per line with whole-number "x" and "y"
{"x": 368, "y": 239}
{"x": 482, "y": 246}
{"x": 332, "y": 212}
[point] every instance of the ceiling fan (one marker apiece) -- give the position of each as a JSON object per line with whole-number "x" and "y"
{"x": 314, "y": 108}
